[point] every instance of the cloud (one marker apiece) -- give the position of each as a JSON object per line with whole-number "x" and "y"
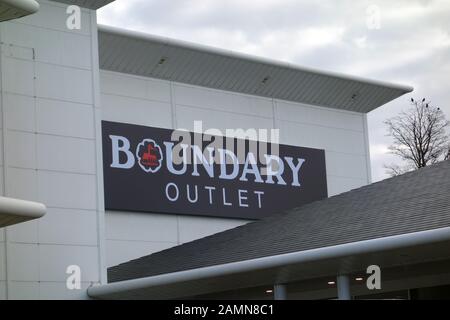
{"x": 411, "y": 45}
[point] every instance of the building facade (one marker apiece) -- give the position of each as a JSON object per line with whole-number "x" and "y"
{"x": 58, "y": 85}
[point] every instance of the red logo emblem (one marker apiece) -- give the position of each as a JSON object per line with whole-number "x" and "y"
{"x": 150, "y": 155}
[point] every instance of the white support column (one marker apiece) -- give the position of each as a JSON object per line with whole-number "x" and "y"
{"x": 343, "y": 287}
{"x": 279, "y": 292}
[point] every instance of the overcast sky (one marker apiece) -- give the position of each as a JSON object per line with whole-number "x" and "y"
{"x": 408, "y": 44}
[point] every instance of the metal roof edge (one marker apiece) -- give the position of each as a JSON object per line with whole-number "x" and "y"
{"x": 88, "y": 4}
{"x": 243, "y": 56}
{"x": 17, "y": 9}
{"x": 31, "y": 6}
{"x": 337, "y": 251}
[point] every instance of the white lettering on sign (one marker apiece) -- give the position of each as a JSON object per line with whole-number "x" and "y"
{"x": 224, "y": 156}
{"x": 193, "y": 193}
{"x": 169, "y": 161}
{"x": 274, "y": 171}
{"x": 121, "y": 145}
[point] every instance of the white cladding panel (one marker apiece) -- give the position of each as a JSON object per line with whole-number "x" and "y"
{"x": 51, "y": 119}
{"x": 159, "y": 103}
{"x": 129, "y": 226}
{"x": 19, "y": 110}
{"x": 118, "y": 251}
{"x": 50, "y": 148}
{"x": 154, "y": 113}
{"x": 2, "y": 265}
{"x": 2, "y": 290}
{"x": 68, "y": 226}
{"x": 192, "y": 228}
{"x": 51, "y": 46}
{"x": 23, "y": 290}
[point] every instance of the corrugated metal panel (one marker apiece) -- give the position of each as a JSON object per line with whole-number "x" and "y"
{"x": 90, "y": 4}
{"x": 136, "y": 53}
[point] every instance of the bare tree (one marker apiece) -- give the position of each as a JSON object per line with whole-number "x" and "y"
{"x": 420, "y": 137}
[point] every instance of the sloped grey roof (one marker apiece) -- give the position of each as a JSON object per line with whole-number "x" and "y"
{"x": 413, "y": 202}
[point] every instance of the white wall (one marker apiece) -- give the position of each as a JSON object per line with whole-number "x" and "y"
{"x": 152, "y": 102}
{"x": 49, "y": 87}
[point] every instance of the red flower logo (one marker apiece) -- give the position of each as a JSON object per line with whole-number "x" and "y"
{"x": 150, "y": 155}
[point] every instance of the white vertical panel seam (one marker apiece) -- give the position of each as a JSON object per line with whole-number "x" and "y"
{"x": 367, "y": 142}
{"x": 8, "y": 281}
{"x": 100, "y": 212}
{"x": 35, "y": 126}
{"x": 274, "y": 113}
{"x": 173, "y": 106}
{"x": 36, "y": 167}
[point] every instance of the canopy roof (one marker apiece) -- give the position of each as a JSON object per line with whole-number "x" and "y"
{"x": 13, "y": 9}
{"x": 14, "y": 211}
{"x": 90, "y": 4}
{"x": 388, "y": 219}
{"x": 163, "y": 58}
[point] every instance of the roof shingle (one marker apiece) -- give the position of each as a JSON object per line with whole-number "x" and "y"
{"x": 413, "y": 202}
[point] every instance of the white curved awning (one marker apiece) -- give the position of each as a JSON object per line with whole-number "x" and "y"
{"x": 13, "y": 9}
{"x": 14, "y": 211}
